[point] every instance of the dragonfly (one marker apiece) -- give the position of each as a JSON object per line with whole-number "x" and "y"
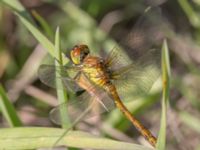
{"x": 103, "y": 82}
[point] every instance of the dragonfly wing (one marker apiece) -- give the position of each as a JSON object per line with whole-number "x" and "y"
{"x": 50, "y": 74}
{"x": 136, "y": 79}
{"x": 148, "y": 32}
{"x": 146, "y": 35}
{"x": 135, "y": 71}
{"x": 77, "y": 106}
{"x": 116, "y": 59}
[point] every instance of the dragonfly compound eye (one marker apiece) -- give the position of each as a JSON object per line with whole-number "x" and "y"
{"x": 84, "y": 51}
{"x": 78, "y": 53}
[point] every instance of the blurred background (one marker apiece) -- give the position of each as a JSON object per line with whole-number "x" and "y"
{"x": 90, "y": 22}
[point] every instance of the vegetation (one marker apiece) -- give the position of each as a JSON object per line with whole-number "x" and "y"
{"x": 38, "y": 32}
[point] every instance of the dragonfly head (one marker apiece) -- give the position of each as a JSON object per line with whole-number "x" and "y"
{"x": 78, "y": 53}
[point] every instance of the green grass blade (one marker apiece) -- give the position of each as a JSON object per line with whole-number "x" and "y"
{"x": 37, "y": 137}
{"x": 191, "y": 14}
{"x": 161, "y": 144}
{"x": 45, "y": 26}
{"x": 49, "y": 46}
{"x": 61, "y": 91}
{"x": 190, "y": 120}
{"x": 14, "y": 4}
{"x": 18, "y": 7}
{"x": 8, "y": 110}
{"x": 38, "y": 35}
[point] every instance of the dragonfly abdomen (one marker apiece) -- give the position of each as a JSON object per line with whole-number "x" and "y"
{"x": 110, "y": 88}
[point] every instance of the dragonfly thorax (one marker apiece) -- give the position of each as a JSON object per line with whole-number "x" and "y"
{"x": 94, "y": 67}
{"x": 96, "y": 70}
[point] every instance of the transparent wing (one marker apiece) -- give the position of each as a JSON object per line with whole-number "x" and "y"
{"x": 148, "y": 32}
{"x": 77, "y": 106}
{"x": 116, "y": 59}
{"x": 47, "y": 74}
{"x": 136, "y": 79}
{"x": 135, "y": 63}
